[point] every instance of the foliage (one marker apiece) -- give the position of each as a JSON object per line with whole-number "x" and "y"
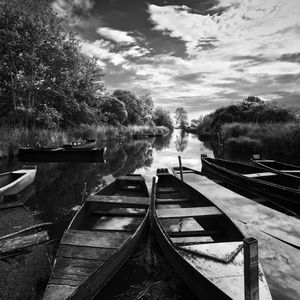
{"x": 41, "y": 66}
{"x": 161, "y": 117}
{"x": 251, "y": 109}
{"x": 139, "y": 110}
{"x": 181, "y": 117}
{"x": 113, "y": 110}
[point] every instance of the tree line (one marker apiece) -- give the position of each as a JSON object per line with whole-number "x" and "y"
{"x": 45, "y": 80}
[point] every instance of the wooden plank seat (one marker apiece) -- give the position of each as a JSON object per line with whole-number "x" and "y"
{"x": 172, "y": 201}
{"x": 188, "y": 212}
{"x": 167, "y": 190}
{"x": 99, "y": 239}
{"x": 193, "y": 233}
{"x": 120, "y": 200}
{"x": 133, "y": 177}
{"x": 290, "y": 171}
{"x": 261, "y": 174}
{"x": 191, "y": 240}
{"x": 121, "y": 211}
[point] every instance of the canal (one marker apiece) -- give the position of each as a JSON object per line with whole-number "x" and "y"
{"x": 60, "y": 189}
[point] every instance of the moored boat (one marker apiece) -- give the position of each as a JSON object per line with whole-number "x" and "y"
{"x": 88, "y": 144}
{"x": 12, "y": 183}
{"x": 61, "y": 154}
{"x": 278, "y": 188}
{"x": 103, "y": 234}
{"x": 200, "y": 241}
{"x": 276, "y": 166}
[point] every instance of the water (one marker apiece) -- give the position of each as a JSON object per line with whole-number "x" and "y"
{"x": 61, "y": 187}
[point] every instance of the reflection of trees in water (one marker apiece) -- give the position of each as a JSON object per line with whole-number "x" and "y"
{"x": 181, "y": 141}
{"x": 126, "y": 158}
{"x": 160, "y": 143}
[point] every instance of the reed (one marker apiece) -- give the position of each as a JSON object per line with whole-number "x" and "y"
{"x": 12, "y": 138}
{"x": 277, "y": 140}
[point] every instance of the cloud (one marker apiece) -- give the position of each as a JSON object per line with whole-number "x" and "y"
{"x": 115, "y": 35}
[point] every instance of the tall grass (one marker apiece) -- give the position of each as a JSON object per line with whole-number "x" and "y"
{"x": 277, "y": 140}
{"x": 11, "y": 138}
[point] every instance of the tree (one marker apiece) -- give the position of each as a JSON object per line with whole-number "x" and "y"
{"x": 146, "y": 108}
{"x": 161, "y": 117}
{"x": 113, "y": 110}
{"x": 41, "y": 64}
{"x": 181, "y": 117}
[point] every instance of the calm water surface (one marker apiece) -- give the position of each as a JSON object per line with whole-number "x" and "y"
{"x": 61, "y": 187}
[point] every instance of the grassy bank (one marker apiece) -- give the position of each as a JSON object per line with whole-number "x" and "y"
{"x": 14, "y": 137}
{"x": 272, "y": 140}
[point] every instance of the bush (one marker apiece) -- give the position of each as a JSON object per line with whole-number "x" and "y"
{"x": 243, "y": 146}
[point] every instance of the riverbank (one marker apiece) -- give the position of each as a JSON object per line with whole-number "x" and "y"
{"x": 14, "y": 137}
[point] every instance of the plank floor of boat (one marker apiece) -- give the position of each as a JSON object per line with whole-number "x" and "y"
{"x": 120, "y": 200}
{"x": 80, "y": 254}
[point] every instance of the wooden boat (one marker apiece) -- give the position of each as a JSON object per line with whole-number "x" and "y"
{"x": 61, "y": 154}
{"x": 278, "y": 188}
{"x": 12, "y": 183}
{"x": 102, "y": 235}
{"x": 88, "y": 144}
{"x": 276, "y": 166}
{"x": 200, "y": 241}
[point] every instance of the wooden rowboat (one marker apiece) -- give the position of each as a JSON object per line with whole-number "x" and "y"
{"x": 200, "y": 241}
{"x": 102, "y": 235}
{"x": 88, "y": 144}
{"x": 12, "y": 183}
{"x": 278, "y": 188}
{"x": 277, "y": 167}
{"x": 62, "y": 154}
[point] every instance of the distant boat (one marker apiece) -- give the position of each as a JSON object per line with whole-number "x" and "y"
{"x": 276, "y": 166}
{"x": 103, "y": 234}
{"x": 200, "y": 242}
{"x": 12, "y": 183}
{"x": 278, "y": 188}
{"x": 67, "y": 153}
{"x": 88, "y": 144}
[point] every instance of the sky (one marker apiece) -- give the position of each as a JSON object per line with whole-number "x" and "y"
{"x": 196, "y": 54}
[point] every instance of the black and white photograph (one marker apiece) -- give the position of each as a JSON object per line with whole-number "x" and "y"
{"x": 149, "y": 149}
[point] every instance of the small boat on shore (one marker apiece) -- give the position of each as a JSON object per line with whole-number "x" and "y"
{"x": 276, "y": 187}
{"x": 66, "y": 153}
{"x": 103, "y": 234}
{"x": 276, "y": 166}
{"x": 12, "y": 183}
{"x": 200, "y": 242}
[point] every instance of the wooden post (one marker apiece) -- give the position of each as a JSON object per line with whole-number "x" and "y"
{"x": 180, "y": 168}
{"x": 251, "y": 269}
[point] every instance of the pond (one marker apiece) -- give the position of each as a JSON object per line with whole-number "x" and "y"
{"x": 60, "y": 189}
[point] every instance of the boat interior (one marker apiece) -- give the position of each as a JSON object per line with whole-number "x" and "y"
{"x": 9, "y": 177}
{"x": 187, "y": 217}
{"x": 257, "y": 173}
{"x": 120, "y": 206}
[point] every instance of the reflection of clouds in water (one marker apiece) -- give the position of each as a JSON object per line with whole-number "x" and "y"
{"x": 114, "y": 223}
{"x": 186, "y": 224}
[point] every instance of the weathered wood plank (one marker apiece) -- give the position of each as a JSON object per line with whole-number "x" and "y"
{"x": 85, "y": 252}
{"x": 167, "y": 190}
{"x": 188, "y": 212}
{"x": 121, "y": 211}
{"x": 71, "y": 270}
{"x": 20, "y": 242}
{"x": 194, "y": 233}
{"x": 262, "y": 174}
{"x": 191, "y": 240}
{"x": 117, "y": 224}
{"x": 94, "y": 239}
{"x": 60, "y": 281}
{"x": 54, "y": 291}
{"x": 77, "y": 262}
{"x": 179, "y": 200}
{"x": 131, "y": 178}
{"x": 72, "y": 277}
{"x": 137, "y": 201}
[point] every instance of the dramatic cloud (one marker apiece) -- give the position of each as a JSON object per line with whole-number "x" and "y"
{"x": 115, "y": 35}
{"x": 197, "y": 55}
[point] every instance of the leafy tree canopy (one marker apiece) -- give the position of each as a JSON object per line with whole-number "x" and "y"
{"x": 181, "y": 117}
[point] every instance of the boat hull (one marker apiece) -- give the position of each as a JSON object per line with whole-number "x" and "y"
{"x": 61, "y": 155}
{"x": 285, "y": 197}
{"x": 17, "y": 181}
